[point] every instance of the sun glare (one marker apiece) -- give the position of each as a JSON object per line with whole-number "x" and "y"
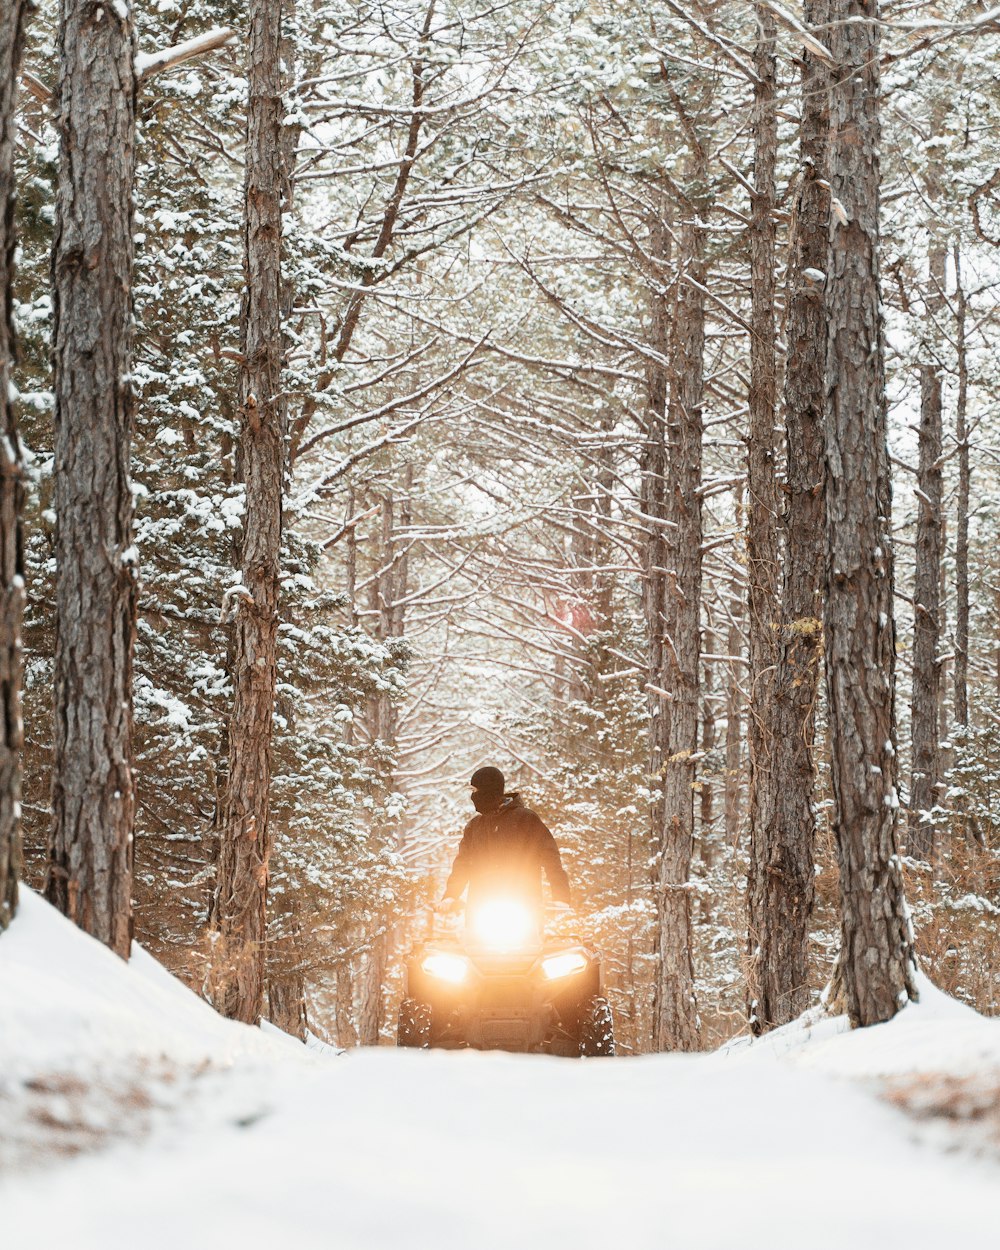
{"x": 503, "y": 925}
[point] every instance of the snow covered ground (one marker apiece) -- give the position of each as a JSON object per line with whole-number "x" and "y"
{"x": 132, "y": 1116}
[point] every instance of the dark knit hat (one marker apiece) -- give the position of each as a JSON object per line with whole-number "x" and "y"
{"x": 488, "y": 781}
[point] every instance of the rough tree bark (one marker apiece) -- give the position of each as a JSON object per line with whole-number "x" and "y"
{"x": 653, "y": 478}
{"x": 927, "y": 601}
{"x": 12, "y": 24}
{"x": 653, "y": 500}
{"x": 734, "y": 709}
{"x": 286, "y": 974}
{"x": 876, "y": 962}
{"x": 926, "y": 708}
{"x": 676, "y": 1016}
{"x": 239, "y": 909}
{"x": 709, "y": 736}
{"x": 960, "y": 676}
{"x": 787, "y": 838}
{"x": 961, "y": 673}
{"x": 764, "y": 913}
{"x": 93, "y": 803}
{"x": 387, "y": 594}
{"x": 286, "y": 987}
{"x": 368, "y": 978}
{"x": 604, "y": 481}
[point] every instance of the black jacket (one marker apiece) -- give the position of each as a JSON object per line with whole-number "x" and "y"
{"x": 506, "y": 851}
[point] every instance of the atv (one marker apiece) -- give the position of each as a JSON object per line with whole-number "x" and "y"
{"x": 504, "y": 985}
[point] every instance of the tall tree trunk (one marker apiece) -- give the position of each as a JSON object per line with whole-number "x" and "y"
{"x": 765, "y": 914}
{"x": 347, "y": 1034}
{"x": 12, "y": 24}
{"x": 370, "y": 975}
{"x": 286, "y": 982}
{"x": 653, "y": 491}
{"x": 876, "y": 961}
{"x": 286, "y": 1004}
{"x": 653, "y": 501}
{"x": 783, "y": 984}
{"x": 676, "y": 1023}
{"x": 389, "y": 587}
{"x": 927, "y": 599}
{"x": 961, "y": 673}
{"x": 239, "y": 912}
{"x": 604, "y": 482}
{"x": 706, "y": 791}
{"x": 387, "y": 592}
{"x": 93, "y": 802}
{"x": 734, "y": 715}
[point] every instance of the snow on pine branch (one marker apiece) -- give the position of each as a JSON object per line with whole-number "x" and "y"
{"x": 149, "y": 63}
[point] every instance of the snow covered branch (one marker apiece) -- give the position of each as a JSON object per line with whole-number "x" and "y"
{"x": 148, "y": 64}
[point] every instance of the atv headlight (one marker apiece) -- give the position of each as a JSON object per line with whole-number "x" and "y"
{"x": 564, "y": 964}
{"x": 445, "y": 967}
{"x": 504, "y": 924}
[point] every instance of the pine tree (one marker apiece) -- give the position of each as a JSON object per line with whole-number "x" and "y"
{"x": 766, "y": 922}
{"x": 876, "y": 958}
{"x": 925, "y": 704}
{"x": 240, "y": 901}
{"x": 785, "y": 859}
{"x": 676, "y": 1026}
{"x": 961, "y": 675}
{"x": 91, "y": 855}
{"x": 12, "y": 26}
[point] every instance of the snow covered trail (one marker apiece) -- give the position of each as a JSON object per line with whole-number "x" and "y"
{"x": 757, "y": 1146}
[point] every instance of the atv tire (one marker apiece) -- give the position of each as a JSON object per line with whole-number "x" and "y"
{"x": 414, "y": 1028}
{"x": 597, "y": 1032}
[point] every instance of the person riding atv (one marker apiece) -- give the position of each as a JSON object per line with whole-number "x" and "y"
{"x": 504, "y": 983}
{"x": 504, "y": 850}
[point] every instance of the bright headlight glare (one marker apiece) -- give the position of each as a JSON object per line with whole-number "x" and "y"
{"x": 445, "y": 967}
{"x": 503, "y": 925}
{"x": 564, "y": 965}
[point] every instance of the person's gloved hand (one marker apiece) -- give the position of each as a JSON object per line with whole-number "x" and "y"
{"x": 448, "y": 906}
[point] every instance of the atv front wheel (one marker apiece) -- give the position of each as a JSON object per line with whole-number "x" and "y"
{"x": 597, "y": 1033}
{"x": 414, "y": 1027}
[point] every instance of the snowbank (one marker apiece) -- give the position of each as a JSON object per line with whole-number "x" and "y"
{"x": 67, "y": 1003}
{"x": 758, "y": 1147}
{"x": 938, "y": 1034}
